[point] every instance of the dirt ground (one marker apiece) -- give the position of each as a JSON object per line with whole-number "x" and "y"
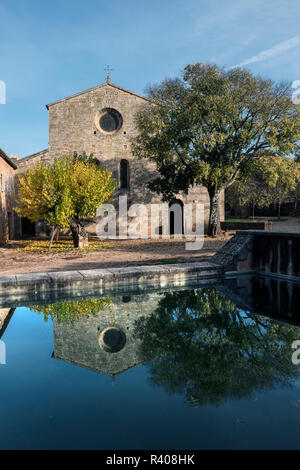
{"x": 122, "y": 253}
{"x": 119, "y": 253}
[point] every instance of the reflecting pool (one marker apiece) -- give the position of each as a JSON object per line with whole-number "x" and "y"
{"x": 204, "y": 367}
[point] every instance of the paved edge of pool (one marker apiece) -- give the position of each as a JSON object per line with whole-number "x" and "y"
{"x": 162, "y": 275}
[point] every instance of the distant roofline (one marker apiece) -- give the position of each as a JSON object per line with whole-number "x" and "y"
{"x": 95, "y": 88}
{"x": 33, "y": 155}
{"x": 7, "y": 159}
{"x": 78, "y": 364}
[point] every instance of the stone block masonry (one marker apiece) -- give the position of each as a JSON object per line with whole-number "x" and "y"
{"x": 7, "y": 219}
{"x": 159, "y": 275}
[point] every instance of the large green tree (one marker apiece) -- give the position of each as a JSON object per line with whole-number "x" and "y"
{"x": 64, "y": 194}
{"x": 204, "y": 127}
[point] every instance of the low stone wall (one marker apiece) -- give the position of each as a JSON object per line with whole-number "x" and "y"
{"x": 160, "y": 275}
{"x": 236, "y": 254}
{"x": 266, "y": 252}
{"x": 261, "y": 225}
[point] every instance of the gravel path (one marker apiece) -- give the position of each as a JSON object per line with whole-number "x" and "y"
{"x": 292, "y": 224}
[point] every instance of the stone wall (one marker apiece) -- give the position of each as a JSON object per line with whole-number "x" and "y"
{"x": 260, "y": 225}
{"x": 7, "y": 221}
{"x": 105, "y": 279}
{"x": 236, "y": 254}
{"x": 80, "y": 342}
{"x": 25, "y": 163}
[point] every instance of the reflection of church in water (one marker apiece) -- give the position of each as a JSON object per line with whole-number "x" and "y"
{"x": 107, "y": 342}
{"x": 104, "y": 342}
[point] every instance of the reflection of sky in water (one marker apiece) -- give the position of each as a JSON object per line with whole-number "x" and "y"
{"x": 61, "y": 389}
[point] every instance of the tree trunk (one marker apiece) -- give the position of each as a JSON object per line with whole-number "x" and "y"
{"x": 54, "y": 230}
{"x": 75, "y": 233}
{"x": 83, "y": 238}
{"x": 279, "y": 207}
{"x": 214, "y": 226}
{"x": 79, "y": 234}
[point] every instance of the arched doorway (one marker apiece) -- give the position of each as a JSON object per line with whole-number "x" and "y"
{"x": 176, "y": 222}
{"x": 28, "y": 228}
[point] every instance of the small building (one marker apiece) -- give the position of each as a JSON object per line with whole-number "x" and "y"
{"x": 7, "y": 215}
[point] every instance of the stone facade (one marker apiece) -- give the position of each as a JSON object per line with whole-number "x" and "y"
{"x": 75, "y": 125}
{"x": 81, "y": 342}
{"x": 7, "y": 218}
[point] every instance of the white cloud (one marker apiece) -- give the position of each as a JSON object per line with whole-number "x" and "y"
{"x": 272, "y": 52}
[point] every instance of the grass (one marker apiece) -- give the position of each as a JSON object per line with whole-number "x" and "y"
{"x": 249, "y": 219}
{"x": 62, "y": 246}
{"x": 275, "y": 219}
{"x": 240, "y": 219}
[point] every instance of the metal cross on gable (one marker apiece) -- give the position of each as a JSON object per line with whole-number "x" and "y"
{"x": 108, "y": 70}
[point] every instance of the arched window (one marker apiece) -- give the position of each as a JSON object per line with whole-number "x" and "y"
{"x": 124, "y": 174}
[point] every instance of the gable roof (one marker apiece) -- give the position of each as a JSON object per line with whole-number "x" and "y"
{"x": 96, "y": 88}
{"x": 7, "y": 159}
{"x": 33, "y": 155}
{"x": 100, "y": 369}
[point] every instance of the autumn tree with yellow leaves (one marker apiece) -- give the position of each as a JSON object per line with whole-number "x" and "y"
{"x": 65, "y": 194}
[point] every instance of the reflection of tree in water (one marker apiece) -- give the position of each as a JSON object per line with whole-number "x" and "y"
{"x": 66, "y": 312}
{"x": 199, "y": 343}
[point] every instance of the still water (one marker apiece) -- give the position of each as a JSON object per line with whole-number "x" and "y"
{"x": 199, "y": 368}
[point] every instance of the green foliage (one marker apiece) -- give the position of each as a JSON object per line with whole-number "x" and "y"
{"x": 205, "y": 127}
{"x": 251, "y": 191}
{"x": 200, "y": 343}
{"x": 68, "y": 312}
{"x": 270, "y": 179}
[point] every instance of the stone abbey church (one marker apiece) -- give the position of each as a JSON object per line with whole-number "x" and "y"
{"x": 100, "y": 121}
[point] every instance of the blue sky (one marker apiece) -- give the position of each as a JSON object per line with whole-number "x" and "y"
{"x": 49, "y": 50}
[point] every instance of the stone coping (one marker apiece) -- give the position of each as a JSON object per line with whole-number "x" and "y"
{"x": 161, "y": 275}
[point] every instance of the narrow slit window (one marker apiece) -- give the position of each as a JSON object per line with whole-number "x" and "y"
{"x": 124, "y": 171}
